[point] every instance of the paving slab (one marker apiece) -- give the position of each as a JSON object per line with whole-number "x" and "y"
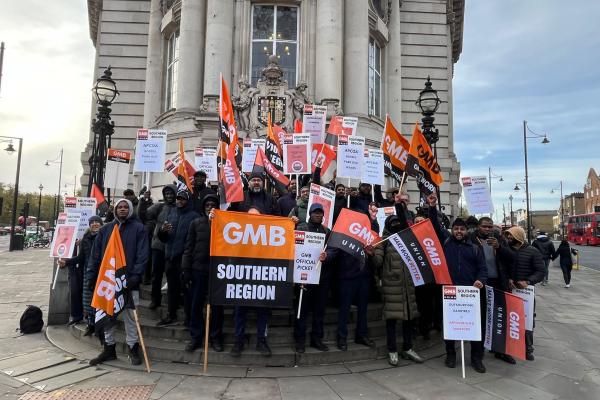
{"x": 71, "y": 378}
{"x": 569, "y": 388}
{"x": 252, "y": 389}
{"x": 510, "y": 389}
{"x": 302, "y": 388}
{"x": 358, "y": 386}
{"x": 200, "y": 388}
{"x": 317, "y": 370}
{"x": 51, "y": 372}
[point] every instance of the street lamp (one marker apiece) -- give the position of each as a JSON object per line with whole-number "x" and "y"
{"x": 74, "y": 184}
{"x": 544, "y": 141}
{"x": 37, "y": 229}
{"x": 429, "y": 102}
{"x": 13, "y": 219}
{"x": 510, "y": 198}
{"x": 560, "y": 209}
{"x": 58, "y": 160}
{"x": 105, "y": 91}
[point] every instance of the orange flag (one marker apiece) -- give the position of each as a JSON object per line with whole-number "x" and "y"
{"x": 184, "y": 181}
{"x": 273, "y": 149}
{"x": 421, "y": 163}
{"x": 228, "y": 130}
{"x": 109, "y": 294}
{"x": 395, "y": 150}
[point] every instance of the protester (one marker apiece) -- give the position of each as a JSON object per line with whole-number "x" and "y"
{"x": 129, "y": 194}
{"x": 256, "y": 196}
{"x": 174, "y": 232}
{"x": 401, "y": 202}
{"x": 315, "y": 296}
{"x": 157, "y": 215}
{"x": 298, "y": 213}
{"x": 546, "y": 248}
{"x": 287, "y": 201}
{"x": 195, "y": 267}
{"x": 527, "y": 269}
{"x": 200, "y": 191}
{"x": 566, "y": 253}
{"x": 79, "y": 295}
{"x": 467, "y": 267}
{"x": 341, "y": 201}
{"x": 135, "y": 246}
{"x": 398, "y": 290}
{"x": 360, "y": 201}
{"x": 144, "y": 204}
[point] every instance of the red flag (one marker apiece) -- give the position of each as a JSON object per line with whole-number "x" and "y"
{"x": 101, "y": 204}
{"x": 231, "y": 188}
{"x": 298, "y": 126}
{"x": 228, "y": 129}
{"x": 395, "y": 150}
{"x": 184, "y": 180}
{"x": 352, "y": 232}
{"x": 505, "y": 323}
{"x": 262, "y": 165}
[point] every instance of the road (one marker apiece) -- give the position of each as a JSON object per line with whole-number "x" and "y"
{"x": 589, "y": 256}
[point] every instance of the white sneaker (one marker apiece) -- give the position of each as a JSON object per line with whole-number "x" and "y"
{"x": 164, "y": 288}
{"x": 568, "y": 285}
{"x": 412, "y": 355}
{"x": 393, "y": 359}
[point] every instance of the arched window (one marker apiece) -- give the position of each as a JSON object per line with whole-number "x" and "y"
{"x": 374, "y": 78}
{"x": 170, "y": 100}
{"x": 274, "y": 31}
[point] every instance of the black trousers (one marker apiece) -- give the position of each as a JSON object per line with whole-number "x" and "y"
{"x": 176, "y": 290}
{"x": 566, "y": 270}
{"x": 426, "y": 296}
{"x": 476, "y": 346}
{"x": 158, "y": 269}
{"x": 76, "y": 291}
{"x": 198, "y": 296}
{"x": 314, "y": 300}
{"x": 390, "y": 330}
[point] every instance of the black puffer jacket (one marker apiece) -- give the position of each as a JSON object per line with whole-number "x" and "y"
{"x": 544, "y": 246}
{"x": 159, "y": 213}
{"x": 527, "y": 264}
{"x": 196, "y": 256}
{"x": 85, "y": 249}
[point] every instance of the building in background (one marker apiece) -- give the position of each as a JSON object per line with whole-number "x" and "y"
{"x": 591, "y": 192}
{"x": 363, "y": 58}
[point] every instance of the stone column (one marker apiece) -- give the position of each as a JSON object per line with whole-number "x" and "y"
{"x": 393, "y": 66}
{"x": 356, "y": 57}
{"x": 329, "y": 59}
{"x": 219, "y": 49}
{"x": 191, "y": 55}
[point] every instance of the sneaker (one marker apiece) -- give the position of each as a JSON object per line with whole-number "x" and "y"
{"x": 529, "y": 357}
{"x": 544, "y": 283}
{"x": 319, "y": 345}
{"x": 568, "y": 285}
{"x": 299, "y": 347}
{"x": 365, "y": 341}
{"x": 217, "y": 345}
{"x": 450, "y": 360}
{"x": 393, "y": 359}
{"x": 108, "y": 353}
{"x": 505, "y": 357}
{"x": 263, "y": 347}
{"x": 167, "y": 321}
{"x": 134, "y": 354}
{"x": 74, "y": 321}
{"x": 193, "y": 346}
{"x": 478, "y": 366}
{"x": 342, "y": 344}
{"x": 412, "y": 355}
{"x": 237, "y": 348}
{"x": 89, "y": 330}
{"x": 164, "y": 288}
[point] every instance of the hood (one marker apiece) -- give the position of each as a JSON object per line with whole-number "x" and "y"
{"x": 518, "y": 233}
{"x": 543, "y": 238}
{"x": 129, "y": 214}
{"x": 210, "y": 196}
{"x": 173, "y": 188}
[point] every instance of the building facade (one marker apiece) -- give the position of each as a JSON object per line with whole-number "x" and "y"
{"x": 362, "y": 58}
{"x": 591, "y": 192}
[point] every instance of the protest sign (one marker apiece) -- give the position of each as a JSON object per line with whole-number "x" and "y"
{"x": 206, "y": 160}
{"x": 251, "y": 260}
{"x": 350, "y": 156}
{"x": 87, "y": 202}
{"x": 340, "y": 125}
{"x": 307, "y": 267}
{"x": 172, "y": 166}
{"x": 313, "y": 122}
{"x": 150, "y": 148}
{"x": 528, "y": 296}
{"x": 116, "y": 175}
{"x": 296, "y": 154}
{"x": 462, "y": 313}
{"x": 326, "y": 198}
{"x": 64, "y": 238}
{"x": 382, "y": 214}
{"x": 372, "y": 171}
{"x": 505, "y": 327}
{"x": 70, "y": 202}
{"x": 477, "y": 194}
{"x": 249, "y": 154}
{"x": 80, "y": 208}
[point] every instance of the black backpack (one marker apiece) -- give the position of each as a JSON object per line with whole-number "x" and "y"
{"x": 31, "y": 320}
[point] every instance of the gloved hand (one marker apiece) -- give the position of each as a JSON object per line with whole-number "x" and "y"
{"x": 186, "y": 278}
{"x": 133, "y": 281}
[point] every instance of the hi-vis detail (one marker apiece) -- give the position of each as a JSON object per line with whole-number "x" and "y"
{"x": 251, "y": 260}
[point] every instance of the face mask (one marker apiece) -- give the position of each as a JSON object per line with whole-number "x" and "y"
{"x": 395, "y": 228}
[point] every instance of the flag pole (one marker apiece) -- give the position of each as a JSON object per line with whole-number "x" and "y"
{"x": 348, "y": 194}
{"x": 297, "y": 188}
{"x": 462, "y": 357}
{"x": 381, "y": 241}
{"x": 139, "y": 329}
{"x": 373, "y": 192}
{"x": 55, "y": 275}
{"x": 402, "y": 182}
{"x": 300, "y": 301}
{"x": 206, "y": 334}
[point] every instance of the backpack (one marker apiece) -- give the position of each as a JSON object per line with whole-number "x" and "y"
{"x": 31, "y": 320}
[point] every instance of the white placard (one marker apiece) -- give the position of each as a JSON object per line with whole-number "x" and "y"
{"x": 350, "y": 156}
{"x": 65, "y": 234}
{"x": 87, "y": 202}
{"x": 462, "y": 313}
{"x": 477, "y": 194}
{"x": 296, "y": 154}
{"x": 150, "y": 147}
{"x": 307, "y": 267}
{"x": 206, "y": 160}
{"x": 249, "y": 155}
{"x": 528, "y": 296}
{"x": 325, "y": 197}
{"x": 382, "y": 214}
{"x": 116, "y": 175}
{"x": 313, "y": 122}
{"x": 373, "y": 166}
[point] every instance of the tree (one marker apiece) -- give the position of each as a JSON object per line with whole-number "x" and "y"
{"x": 47, "y": 209}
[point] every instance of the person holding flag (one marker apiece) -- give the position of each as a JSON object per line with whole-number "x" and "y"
{"x": 256, "y": 196}
{"x": 120, "y": 244}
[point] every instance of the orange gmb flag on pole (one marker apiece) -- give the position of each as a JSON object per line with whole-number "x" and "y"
{"x": 251, "y": 260}
{"x": 273, "y": 147}
{"x": 351, "y": 233}
{"x": 421, "y": 163}
{"x": 262, "y": 165}
{"x": 231, "y": 188}
{"x": 184, "y": 180}
{"x": 228, "y": 135}
{"x": 109, "y": 297}
{"x": 395, "y": 150}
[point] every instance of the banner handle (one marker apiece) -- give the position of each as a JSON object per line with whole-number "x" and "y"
{"x": 348, "y": 194}
{"x": 373, "y": 192}
{"x": 402, "y": 182}
{"x": 462, "y": 357}
{"x": 297, "y": 188}
{"x": 206, "y": 334}
{"x": 55, "y": 275}
{"x": 300, "y": 301}
{"x": 139, "y": 329}
{"x": 381, "y": 241}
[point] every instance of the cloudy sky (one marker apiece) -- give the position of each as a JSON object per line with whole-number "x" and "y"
{"x": 533, "y": 60}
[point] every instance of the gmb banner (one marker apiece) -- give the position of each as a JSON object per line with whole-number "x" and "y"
{"x": 251, "y": 260}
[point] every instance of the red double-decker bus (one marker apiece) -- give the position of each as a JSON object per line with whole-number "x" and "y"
{"x": 584, "y": 229}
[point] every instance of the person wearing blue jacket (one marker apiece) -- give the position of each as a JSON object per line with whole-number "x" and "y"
{"x": 174, "y": 233}
{"x": 467, "y": 267}
{"x": 135, "y": 246}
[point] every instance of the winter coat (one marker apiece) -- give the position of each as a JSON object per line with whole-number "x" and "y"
{"x": 544, "y": 246}
{"x": 527, "y": 264}
{"x": 326, "y": 267}
{"x": 286, "y": 203}
{"x": 339, "y": 203}
{"x": 158, "y": 214}
{"x": 142, "y": 209}
{"x": 264, "y": 202}
{"x": 85, "y": 249}
{"x": 180, "y": 219}
{"x": 135, "y": 246}
{"x": 361, "y": 202}
{"x": 200, "y": 192}
{"x": 565, "y": 252}
{"x": 397, "y": 287}
{"x": 300, "y": 210}
{"x": 196, "y": 256}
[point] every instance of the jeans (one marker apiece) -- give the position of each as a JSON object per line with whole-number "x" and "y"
{"x": 314, "y": 300}
{"x": 131, "y": 333}
{"x": 76, "y": 291}
{"x": 199, "y": 292}
{"x": 546, "y": 264}
{"x": 390, "y": 330}
{"x": 158, "y": 269}
{"x": 262, "y": 319}
{"x": 353, "y": 291}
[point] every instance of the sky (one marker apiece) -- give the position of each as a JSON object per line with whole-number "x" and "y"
{"x": 534, "y": 60}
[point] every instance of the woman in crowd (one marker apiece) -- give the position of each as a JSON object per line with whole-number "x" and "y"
{"x": 565, "y": 252}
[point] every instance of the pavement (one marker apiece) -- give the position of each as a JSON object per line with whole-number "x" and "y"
{"x": 567, "y": 364}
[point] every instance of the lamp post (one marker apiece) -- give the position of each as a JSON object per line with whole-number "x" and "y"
{"x": 510, "y": 198}
{"x": 37, "y": 229}
{"x": 105, "y": 91}
{"x": 560, "y": 209}
{"x": 527, "y": 201}
{"x": 429, "y": 102}
{"x": 13, "y": 219}
{"x": 74, "y": 184}
{"x": 492, "y": 175}
{"x": 58, "y": 160}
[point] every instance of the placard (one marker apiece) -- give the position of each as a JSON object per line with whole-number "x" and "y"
{"x": 65, "y": 235}
{"x": 340, "y": 125}
{"x": 325, "y": 197}
{"x": 206, "y": 160}
{"x": 117, "y": 169}
{"x": 150, "y": 146}
{"x": 382, "y": 214}
{"x": 249, "y": 153}
{"x": 528, "y": 296}
{"x": 87, "y": 202}
{"x": 462, "y": 313}
{"x": 313, "y": 122}
{"x": 373, "y": 166}
{"x": 350, "y": 156}
{"x": 477, "y": 195}
{"x": 296, "y": 153}
{"x": 307, "y": 267}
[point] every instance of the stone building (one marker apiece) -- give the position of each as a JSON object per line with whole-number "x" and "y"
{"x": 363, "y": 58}
{"x": 591, "y": 192}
